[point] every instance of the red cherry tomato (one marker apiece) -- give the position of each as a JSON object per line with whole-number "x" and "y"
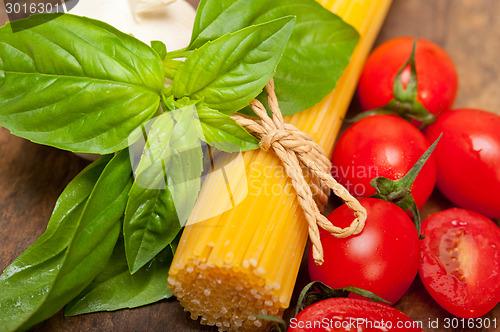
{"x": 460, "y": 263}
{"x": 468, "y": 159}
{"x": 382, "y": 145}
{"x": 343, "y": 314}
{"x": 383, "y": 258}
{"x": 436, "y": 73}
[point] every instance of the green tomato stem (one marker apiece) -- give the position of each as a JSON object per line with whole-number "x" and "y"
{"x": 399, "y": 191}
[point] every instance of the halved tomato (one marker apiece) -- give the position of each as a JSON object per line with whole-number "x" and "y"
{"x": 460, "y": 261}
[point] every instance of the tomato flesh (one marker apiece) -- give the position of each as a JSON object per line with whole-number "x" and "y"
{"x": 343, "y": 314}
{"x": 460, "y": 261}
{"x": 383, "y": 258}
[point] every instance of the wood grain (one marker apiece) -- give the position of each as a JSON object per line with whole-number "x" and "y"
{"x": 32, "y": 176}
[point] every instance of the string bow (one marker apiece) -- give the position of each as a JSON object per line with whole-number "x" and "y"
{"x": 306, "y": 165}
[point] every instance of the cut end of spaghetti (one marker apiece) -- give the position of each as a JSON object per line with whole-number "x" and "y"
{"x": 226, "y": 296}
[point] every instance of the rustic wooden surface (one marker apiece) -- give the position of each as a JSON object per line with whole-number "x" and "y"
{"x": 32, "y": 176}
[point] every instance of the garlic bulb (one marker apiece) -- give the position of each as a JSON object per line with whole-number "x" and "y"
{"x": 141, "y": 7}
{"x": 170, "y": 21}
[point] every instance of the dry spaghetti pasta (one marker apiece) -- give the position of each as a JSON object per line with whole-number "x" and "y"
{"x": 245, "y": 261}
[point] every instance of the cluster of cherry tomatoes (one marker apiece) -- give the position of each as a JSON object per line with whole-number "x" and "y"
{"x": 407, "y": 89}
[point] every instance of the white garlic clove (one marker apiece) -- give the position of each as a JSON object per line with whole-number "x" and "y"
{"x": 166, "y": 20}
{"x": 142, "y": 7}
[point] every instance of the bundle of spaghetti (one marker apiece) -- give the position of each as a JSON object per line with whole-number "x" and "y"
{"x": 245, "y": 260}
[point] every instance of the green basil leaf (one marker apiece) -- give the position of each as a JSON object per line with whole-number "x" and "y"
{"x": 224, "y": 133}
{"x": 229, "y": 72}
{"x": 159, "y": 48}
{"x": 34, "y": 272}
{"x": 76, "y": 83}
{"x": 186, "y": 162}
{"x": 151, "y": 221}
{"x": 171, "y": 67}
{"x": 93, "y": 242}
{"x": 167, "y": 182}
{"x": 77, "y": 244}
{"x": 115, "y": 288}
{"x": 186, "y": 103}
{"x": 317, "y": 53}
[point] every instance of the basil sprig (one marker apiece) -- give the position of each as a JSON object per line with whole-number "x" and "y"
{"x": 79, "y": 240}
{"x": 230, "y": 71}
{"x": 317, "y": 53}
{"x": 81, "y": 85}
{"x": 75, "y": 83}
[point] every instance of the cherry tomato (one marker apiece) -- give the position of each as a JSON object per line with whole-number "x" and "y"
{"x": 460, "y": 261}
{"x": 343, "y": 314}
{"x": 382, "y": 145}
{"x": 436, "y": 73}
{"x": 383, "y": 258}
{"x": 468, "y": 159}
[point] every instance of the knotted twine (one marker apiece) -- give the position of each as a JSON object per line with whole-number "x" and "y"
{"x": 296, "y": 150}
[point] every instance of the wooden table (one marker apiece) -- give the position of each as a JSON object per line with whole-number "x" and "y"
{"x": 32, "y": 176}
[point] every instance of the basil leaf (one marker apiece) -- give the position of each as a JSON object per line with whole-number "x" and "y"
{"x": 93, "y": 242}
{"x": 186, "y": 163}
{"x": 229, "y": 72}
{"x": 171, "y": 67}
{"x": 224, "y": 133}
{"x": 159, "y": 48}
{"x": 76, "y": 83}
{"x": 30, "y": 271}
{"x": 115, "y": 288}
{"x": 167, "y": 182}
{"x": 79, "y": 240}
{"x": 317, "y": 53}
{"x": 151, "y": 221}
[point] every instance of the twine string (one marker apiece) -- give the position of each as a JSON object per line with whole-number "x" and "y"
{"x": 306, "y": 165}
